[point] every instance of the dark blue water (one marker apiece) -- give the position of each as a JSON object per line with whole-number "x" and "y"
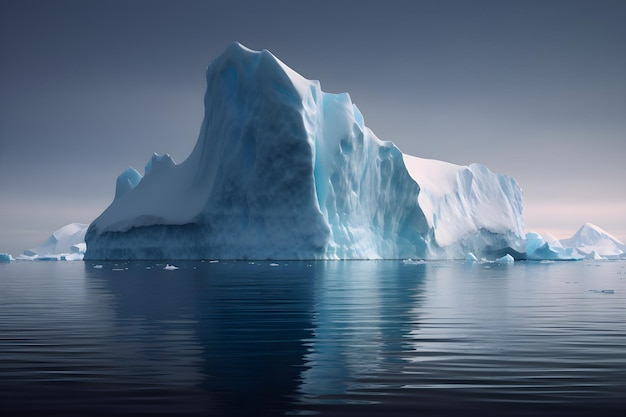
{"x": 312, "y": 338}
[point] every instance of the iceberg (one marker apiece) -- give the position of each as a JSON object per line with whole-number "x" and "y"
{"x": 283, "y": 170}
{"x": 548, "y": 248}
{"x": 66, "y": 243}
{"x": 6, "y": 257}
{"x": 505, "y": 260}
{"x": 595, "y": 243}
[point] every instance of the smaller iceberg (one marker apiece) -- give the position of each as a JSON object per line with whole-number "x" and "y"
{"x": 505, "y": 260}
{"x": 6, "y": 257}
{"x": 540, "y": 248}
{"x": 593, "y": 242}
{"x": 65, "y": 244}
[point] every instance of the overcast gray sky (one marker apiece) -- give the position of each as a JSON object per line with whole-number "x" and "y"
{"x": 533, "y": 89}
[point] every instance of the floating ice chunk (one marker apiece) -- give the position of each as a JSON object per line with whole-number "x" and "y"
{"x": 6, "y": 257}
{"x": 603, "y": 291}
{"x": 470, "y": 258}
{"x": 98, "y": 266}
{"x": 50, "y": 257}
{"x": 273, "y": 264}
{"x": 170, "y": 267}
{"x": 413, "y": 261}
{"x": 505, "y": 260}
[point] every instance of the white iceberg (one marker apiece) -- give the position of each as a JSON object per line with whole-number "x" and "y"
{"x": 505, "y": 260}
{"x": 283, "y": 170}
{"x": 65, "y": 244}
{"x": 595, "y": 243}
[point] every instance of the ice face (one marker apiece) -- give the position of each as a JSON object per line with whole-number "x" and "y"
{"x": 283, "y": 170}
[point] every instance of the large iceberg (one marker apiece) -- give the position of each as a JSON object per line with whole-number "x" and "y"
{"x": 283, "y": 170}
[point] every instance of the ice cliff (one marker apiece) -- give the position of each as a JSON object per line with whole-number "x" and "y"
{"x": 283, "y": 170}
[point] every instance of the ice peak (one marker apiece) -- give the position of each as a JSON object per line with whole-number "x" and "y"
{"x": 238, "y": 63}
{"x": 592, "y": 234}
{"x": 126, "y": 181}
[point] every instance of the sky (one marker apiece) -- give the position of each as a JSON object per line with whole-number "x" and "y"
{"x": 532, "y": 89}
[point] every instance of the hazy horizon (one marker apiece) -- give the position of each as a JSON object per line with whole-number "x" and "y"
{"x": 532, "y": 89}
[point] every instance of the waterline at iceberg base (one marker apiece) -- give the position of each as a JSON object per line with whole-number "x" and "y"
{"x": 283, "y": 170}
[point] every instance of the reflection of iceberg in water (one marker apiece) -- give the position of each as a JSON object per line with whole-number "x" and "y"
{"x": 222, "y": 337}
{"x": 154, "y": 330}
{"x": 361, "y": 322}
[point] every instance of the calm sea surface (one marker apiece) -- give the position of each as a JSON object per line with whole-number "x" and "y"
{"x": 360, "y": 338}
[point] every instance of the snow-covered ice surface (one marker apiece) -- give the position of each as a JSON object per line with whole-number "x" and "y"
{"x": 283, "y": 170}
{"x": 65, "y": 244}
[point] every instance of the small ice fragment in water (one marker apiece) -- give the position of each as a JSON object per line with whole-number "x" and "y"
{"x": 97, "y": 266}
{"x": 273, "y": 264}
{"x": 506, "y": 260}
{"x": 170, "y": 267}
{"x": 413, "y": 262}
{"x": 470, "y": 257}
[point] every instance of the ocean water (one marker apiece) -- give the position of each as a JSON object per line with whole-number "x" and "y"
{"x": 359, "y": 338}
